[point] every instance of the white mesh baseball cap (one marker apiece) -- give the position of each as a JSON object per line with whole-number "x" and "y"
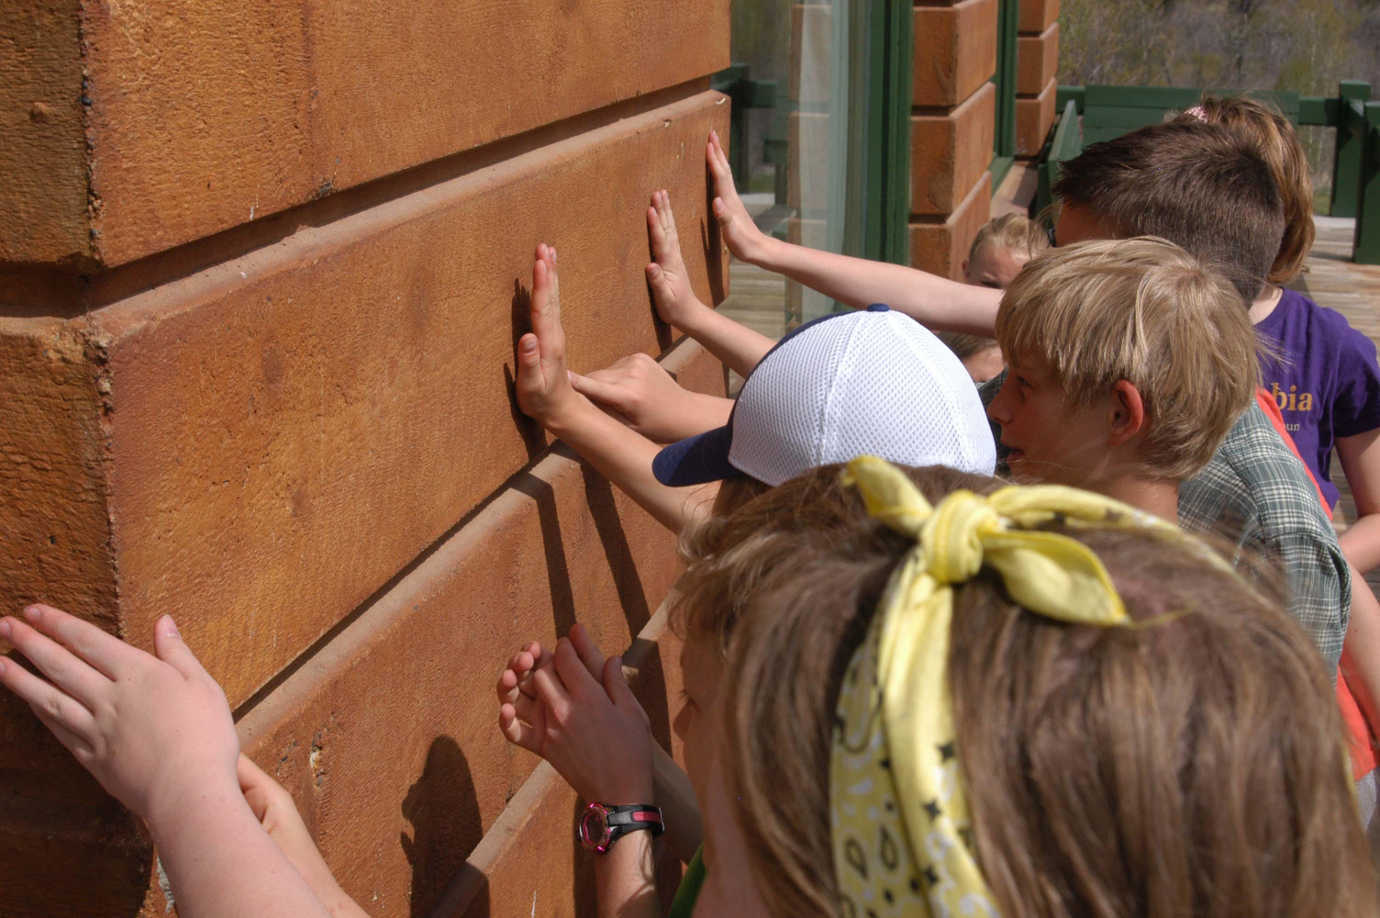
{"x": 867, "y": 382}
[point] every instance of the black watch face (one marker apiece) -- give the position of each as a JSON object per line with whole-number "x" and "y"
{"x": 594, "y": 828}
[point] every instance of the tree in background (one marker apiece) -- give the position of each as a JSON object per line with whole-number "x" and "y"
{"x": 1303, "y": 46}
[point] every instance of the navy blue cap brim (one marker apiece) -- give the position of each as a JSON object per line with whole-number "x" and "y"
{"x": 696, "y": 460}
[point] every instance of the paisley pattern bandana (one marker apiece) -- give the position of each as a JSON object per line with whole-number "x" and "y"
{"x": 902, "y": 833}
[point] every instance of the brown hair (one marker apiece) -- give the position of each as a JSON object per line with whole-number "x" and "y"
{"x": 1195, "y": 767}
{"x": 1145, "y": 311}
{"x": 1274, "y": 137}
{"x": 1198, "y": 185}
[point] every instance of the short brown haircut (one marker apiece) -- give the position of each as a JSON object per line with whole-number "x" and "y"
{"x": 1145, "y": 311}
{"x": 1191, "y": 768}
{"x": 1274, "y": 137}
{"x": 1198, "y": 185}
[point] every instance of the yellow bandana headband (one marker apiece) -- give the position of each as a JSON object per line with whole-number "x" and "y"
{"x": 902, "y": 833}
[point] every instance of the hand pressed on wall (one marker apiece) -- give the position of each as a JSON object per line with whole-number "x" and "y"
{"x": 543, "y": 385}
{"x": 669, "y": 279}
{"x": 154, "y": 731}
{"x": 739, "y": 230}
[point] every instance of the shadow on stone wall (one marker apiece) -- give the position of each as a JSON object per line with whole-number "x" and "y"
{"x": 445, "y": 825}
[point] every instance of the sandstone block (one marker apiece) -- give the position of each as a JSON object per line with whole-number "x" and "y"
{"x": 416, "y": 672}
{"x": 1034, "y": 118}
{"x": 43, "y": 154}
{"x": 386, "y": 733}
{"x": 189, "y": 119}
{"x": 1037, "y": 60}
{"x": 940, "y": 247}
{"x": 955, "y": 51}
{"x": 280, "y": 435}
{"x": 1036, "y": 15}
{"x": 949, "y": 152}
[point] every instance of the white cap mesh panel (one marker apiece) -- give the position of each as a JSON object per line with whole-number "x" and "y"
{"x": 866, "y": 382}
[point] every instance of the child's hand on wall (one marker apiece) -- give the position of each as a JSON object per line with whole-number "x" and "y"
{"x": 670, "y": 281}
{"x": 155, "y": 732}
{"x": 739, "y": 230}
{"x": 640, "y": 392}
{"x": 595, "y": 735}
{"x": 543, "y": 386}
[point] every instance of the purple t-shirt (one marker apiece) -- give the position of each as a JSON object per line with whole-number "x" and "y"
{"x": 1328, "y": 384}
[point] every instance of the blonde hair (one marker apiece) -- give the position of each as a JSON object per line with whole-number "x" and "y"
{"x": 1145, "y": 311}
{"x": 1191, "y": 768}
{"x": 1015, "y": 232}
{"x": 1275, "y": 139}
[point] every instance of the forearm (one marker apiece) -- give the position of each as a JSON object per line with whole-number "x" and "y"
{"x": 1361, "y": 542}
{"x": 704, "y": 412}
{"x": 735, "y": 345}
{"x": 1360, "y": 458}
{"x": 676, "y": 797}
{"x": 1361, "y": 654}
{"x": 625, "y": 877}
{"x": 930, "y": 299}
{"x": 624, "y": 457}
{"x": 220, "y": 863}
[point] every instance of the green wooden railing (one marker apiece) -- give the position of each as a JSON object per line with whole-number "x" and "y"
{"x": 1089, "y": 114}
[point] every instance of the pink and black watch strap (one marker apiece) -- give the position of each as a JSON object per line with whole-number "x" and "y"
{"x": 602, "y": 824}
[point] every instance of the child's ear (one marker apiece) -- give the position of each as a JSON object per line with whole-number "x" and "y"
{"x": 1128, "y": 413}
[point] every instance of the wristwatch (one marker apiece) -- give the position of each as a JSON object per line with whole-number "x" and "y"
{"x": 602, "y": 824}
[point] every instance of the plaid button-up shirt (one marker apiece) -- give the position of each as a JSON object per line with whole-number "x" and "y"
{"x": 1256, "y": 492}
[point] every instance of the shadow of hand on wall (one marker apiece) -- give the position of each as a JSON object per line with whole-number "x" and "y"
{"x": 444, "y": 813}
{"x": 553, "y": 546}
{"x": 532, "y": 433}
{"x": 631, "y": 595}
{"x": 714, "y": 256}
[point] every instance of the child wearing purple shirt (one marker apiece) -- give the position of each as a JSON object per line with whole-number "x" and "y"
{"x": 1326, "y": 380}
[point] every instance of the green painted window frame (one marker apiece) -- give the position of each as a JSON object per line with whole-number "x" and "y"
{"x": 1004, "y": 135}
{"x": 881, "y": 88}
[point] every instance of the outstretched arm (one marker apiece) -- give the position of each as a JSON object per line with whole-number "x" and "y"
{"x": 737, "y": 346}
{"x": 156, "y": 733}
{"x": 1360, "y": 455}
{"x": 545, "y": 394}
{"x": 933, "y": 300}
{"x": 640, "y": 392}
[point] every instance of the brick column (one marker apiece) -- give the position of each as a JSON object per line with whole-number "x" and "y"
{"x": 952, "y": 125}
{"x": 262, "y": 269}
{"x": 1037, "y": 60}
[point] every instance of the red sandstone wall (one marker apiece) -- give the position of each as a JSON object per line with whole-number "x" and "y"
{"x": 952, "y": 129}
{"x": 1037, "y": 59}
{"x": 262, "y": 267}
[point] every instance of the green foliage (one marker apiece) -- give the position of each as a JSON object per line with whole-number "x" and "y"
{"x": 1301, "y": 45}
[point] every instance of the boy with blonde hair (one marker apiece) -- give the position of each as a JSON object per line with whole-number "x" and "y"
{"x": 1129, "y": 361}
